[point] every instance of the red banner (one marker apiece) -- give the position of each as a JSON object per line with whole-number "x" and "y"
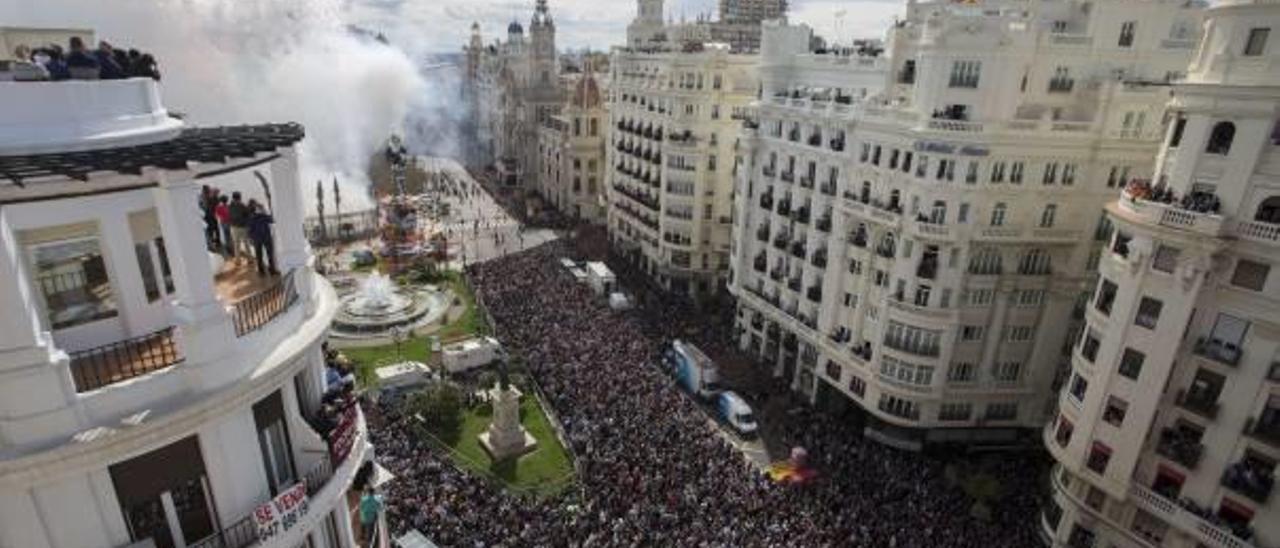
{"x": 343, "y": 436}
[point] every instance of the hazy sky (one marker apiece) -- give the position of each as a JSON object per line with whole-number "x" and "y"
{"x": 598, "y": 24}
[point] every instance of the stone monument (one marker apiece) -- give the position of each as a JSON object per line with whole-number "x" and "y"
{"x": 506, "y": 437}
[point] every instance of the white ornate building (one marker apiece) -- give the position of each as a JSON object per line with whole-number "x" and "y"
{"x": 1168, "y": 430}
{"x": 514, "y": 88}
{"x": 919, "y": 253}
{"x": 572, "y": 145}
{"x": 674, "y": 117}
{"x": 150, "y": 396}
{"x": 738, "y": 24}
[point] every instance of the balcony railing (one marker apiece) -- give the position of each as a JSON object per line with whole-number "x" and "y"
{"x": 1265, "y": 432}
{"x": 1210, "y": 534}
{"x": 1219, "y": 351}
{"x": 120, "y": 361}
{"x": 1249, "y": 481}
{"x": 257, "y": 310}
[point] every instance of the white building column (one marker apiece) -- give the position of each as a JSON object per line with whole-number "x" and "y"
{"x": 205, "y": 329}
{"x": 293, "y": 253}
{"x": 37, "y": 395}
{"x": 995, "y": 336}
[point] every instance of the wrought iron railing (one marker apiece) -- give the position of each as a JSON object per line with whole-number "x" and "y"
{"x": 120, "y": 361}
{"x": 260, "y": 308}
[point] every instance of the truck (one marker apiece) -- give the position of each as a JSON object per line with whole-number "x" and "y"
{"x": 694, "y": 371}
{"x": 734, "y": 410}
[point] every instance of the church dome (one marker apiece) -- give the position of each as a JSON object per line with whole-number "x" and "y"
{"x": 515, "y": 28}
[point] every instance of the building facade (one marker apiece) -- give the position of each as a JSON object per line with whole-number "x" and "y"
{"x": 515, "y": 88}
{"x": 149, "y": 394}
{"x": 673, "y": 120}
{"x": 572, "y": 145}
{"x": 1168, "y": 429}
{"x": 738, "y": 25}
{"x": 917, "y": 255}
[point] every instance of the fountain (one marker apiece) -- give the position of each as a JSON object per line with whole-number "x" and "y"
{"x": 378, "y": 306}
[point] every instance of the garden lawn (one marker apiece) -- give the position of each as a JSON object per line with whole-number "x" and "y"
{"x": 546, "y": 470}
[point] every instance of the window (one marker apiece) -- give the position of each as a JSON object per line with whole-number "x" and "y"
{"x": 1081, "y": 537}
{"x": 922, "y": 295}
{"x": 962, "y": 216}
{"x": 998, "y": 214}
{"x": 912, "y": 339}
{"x": 72, "y": 277}
{"x": 961, "y": 372}
{"x": 955, "y": 411}
{"x": 997, "y": 172}
{"x": 1114, "y": 413}
{"x": 1031, "y": 297}
{"x": 1015, "y": 173}
{"x": 1250, "y": 275}
{"x": 971, "y": 172}
{"x": 1099, "y": 457}
{"x": 1148, "y": 313}
{"x": 979, "y": 297}
{"x": 964, "y": 74}
{"x": 899, "y": 407}
{"x": 1257, "y": 42}
{"x": 1079, "y": 387}
{"x": 946, "y": 170}
{"x": 986, "y": 261}
{"x": 1179, "y": 127}
{"x": 1089, "y": 350}
{"x": 1165, "y": 259}
{"x": 1002, "y": 411}
{"x": 1126, "y": 33}
{"x": 1068, "y": 174}
{"x": 1131, "y": 363}
{"x": 1220, "y": 138}
{"x": 1047, "y": 216}
{"x": 1008, "y": 372}
{"x": 1036, "y": 262}
{"x": 1065, "y": 429}
{"x": 1106, "y": 296}
{"x": 273, "y": 441}
{"x": 857, "y": 386}
{"x": 972, "y": 332}
{"x": 1050, "y": 173}
{"x": 1019, "y": 333}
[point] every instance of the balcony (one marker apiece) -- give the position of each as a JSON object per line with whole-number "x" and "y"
{"x": 780, "y": 241}
{"x": 794, "y": 284}
{"x": 799, "y": 249}
{"x": 928, "y": 269}
{"x": 1177, "y": 515}
{"x": 120, "y": 361}
{"x": 1170, "y": 215}
{"x": 763, "y": 234}
{"x": 1223, "y": 352}
{"x": 257, "y": 310}
{"x": 828, "y": 188}
{"x": 837, "y": 145}
{"x": 1265, "y": 432}
{"x": 766, "y": 201}
{"x": 1199, "y": 404}
{"x": 769, "y": 171}
{"x": 327, "y": 483}
{"x": 788, "y": 176}
{"x": 806, "y": 181}
{"x": 802, "y": 215}
{"x": 1177, "y": 447}
{"x": 760, "y": 263}
{"x": 824, "y": 223}
{"x": 784, "y": 207}
{"x": 1250, "y": 480}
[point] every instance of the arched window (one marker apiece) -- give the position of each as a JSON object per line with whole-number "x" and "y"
{"x": 986, "y": 261}
{"x": 1035, "y": 263}
{"x": 888, "y": 245}
{"x": 1220, "y": 138}
{"x": 998, "y": 214}
{"x": 938, "y": 215}
{"x": 1269, "y": 210}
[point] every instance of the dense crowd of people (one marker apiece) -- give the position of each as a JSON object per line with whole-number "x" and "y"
{"x": 652, "y": 470}
{"x": 79, "y": 62}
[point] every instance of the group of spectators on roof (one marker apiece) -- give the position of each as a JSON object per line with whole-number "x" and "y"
{"x": 79, "y": 62}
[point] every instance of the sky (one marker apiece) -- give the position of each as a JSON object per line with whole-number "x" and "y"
{"x": 443, "y": 25}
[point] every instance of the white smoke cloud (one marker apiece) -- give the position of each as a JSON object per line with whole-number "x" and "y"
{"x": 255, "y": 61}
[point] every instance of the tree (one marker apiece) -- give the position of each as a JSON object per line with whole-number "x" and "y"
{"x": 439, "y": 408}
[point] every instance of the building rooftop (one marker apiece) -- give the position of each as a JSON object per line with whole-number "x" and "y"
{"x": 209, "y": 145}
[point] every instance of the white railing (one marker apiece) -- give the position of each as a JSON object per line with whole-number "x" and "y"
{"x": 1209, "y": 534}
{"x": 1070, "y": 39}
{"x": 1175, "y": 217}
{"x": 1256, "y": 231}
